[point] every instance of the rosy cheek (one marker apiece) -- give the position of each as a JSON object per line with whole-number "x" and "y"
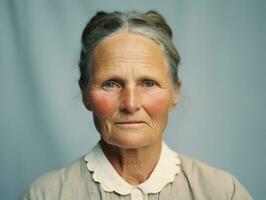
{"x": 103, "y": 104}
{"x": 156, "y": 105}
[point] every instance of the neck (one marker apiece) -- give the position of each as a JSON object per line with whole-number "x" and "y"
{"x": 133, "y": 165}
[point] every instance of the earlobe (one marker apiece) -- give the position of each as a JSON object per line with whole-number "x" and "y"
{"x": 86, "y": 102}
{"x": 176, "y": 94}
{"x": 175, "y": 100}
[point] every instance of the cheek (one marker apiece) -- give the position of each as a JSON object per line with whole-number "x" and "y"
{"x": 157, "y": 105}
{"x": 103, "y": 105}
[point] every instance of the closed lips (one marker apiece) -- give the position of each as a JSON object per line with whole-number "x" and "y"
{"x": 130, "y": 122}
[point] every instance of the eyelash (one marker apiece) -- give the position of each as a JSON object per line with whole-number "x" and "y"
{"x": 115, "y": 84}
{"x": 149, "y": 82}
{"x": 110, "y": 82}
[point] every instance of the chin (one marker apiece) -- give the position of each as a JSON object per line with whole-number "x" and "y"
{"x": 131, "y": 140}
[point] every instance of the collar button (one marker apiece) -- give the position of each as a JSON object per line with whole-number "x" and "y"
{"x": 136, "y": 194}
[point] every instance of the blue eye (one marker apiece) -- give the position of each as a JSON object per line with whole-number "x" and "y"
{"x": 149, "y": 84}
{"x": 109, "y": 84}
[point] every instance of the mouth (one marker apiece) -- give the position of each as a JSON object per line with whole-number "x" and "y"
{"x": 128, "y": 124}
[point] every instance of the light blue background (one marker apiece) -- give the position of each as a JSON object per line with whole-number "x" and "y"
{"x": 220, "y": 120}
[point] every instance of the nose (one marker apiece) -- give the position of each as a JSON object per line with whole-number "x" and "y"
{"x": 130, "y": 100}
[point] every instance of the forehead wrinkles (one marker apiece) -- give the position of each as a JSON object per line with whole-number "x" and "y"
{"x": 133, "y": 63}
{"x": 125, "y": 52}
{"x": 136, "y": 54}
{"x": 128, "y": 47}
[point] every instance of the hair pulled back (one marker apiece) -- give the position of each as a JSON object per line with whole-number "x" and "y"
{"x": 150, "y": 25}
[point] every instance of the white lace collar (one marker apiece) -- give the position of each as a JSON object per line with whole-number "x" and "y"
{"x": 104, "y": 173}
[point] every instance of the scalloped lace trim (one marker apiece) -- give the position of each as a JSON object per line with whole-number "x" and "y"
{"x": 105, "y": 174}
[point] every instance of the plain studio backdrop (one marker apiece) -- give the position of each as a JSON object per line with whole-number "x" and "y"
{"x": 220, "y": 119}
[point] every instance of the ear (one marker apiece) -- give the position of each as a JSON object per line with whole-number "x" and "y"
{"x": 176, "y": 93}
{"x": 86, "y": 102}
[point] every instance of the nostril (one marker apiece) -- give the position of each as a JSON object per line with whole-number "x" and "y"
{"x": 130, "y": 101}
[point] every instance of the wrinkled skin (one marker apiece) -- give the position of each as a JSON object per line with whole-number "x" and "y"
{"x": 131, "y": 91}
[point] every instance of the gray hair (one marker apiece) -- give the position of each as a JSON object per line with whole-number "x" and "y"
{"x": 150, "y": 25}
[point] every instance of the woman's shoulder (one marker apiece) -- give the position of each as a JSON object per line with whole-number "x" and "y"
{"x": 54, "y": 183}
{"x": 72, "y": 170}
{"x": 198, "y": 169}
{"x": 206, "y": 179}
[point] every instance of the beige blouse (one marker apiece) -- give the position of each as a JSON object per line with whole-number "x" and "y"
{"x": 174, "y": 177}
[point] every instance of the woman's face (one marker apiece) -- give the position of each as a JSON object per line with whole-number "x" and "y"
{"x": 130, "y": 92}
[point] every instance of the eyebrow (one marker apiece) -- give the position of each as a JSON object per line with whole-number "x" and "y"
{"x": 115, "y": 78}
{"x": 121, "y": 80}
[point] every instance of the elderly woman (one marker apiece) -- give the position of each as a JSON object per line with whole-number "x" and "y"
{"x": 129, "y": 82}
